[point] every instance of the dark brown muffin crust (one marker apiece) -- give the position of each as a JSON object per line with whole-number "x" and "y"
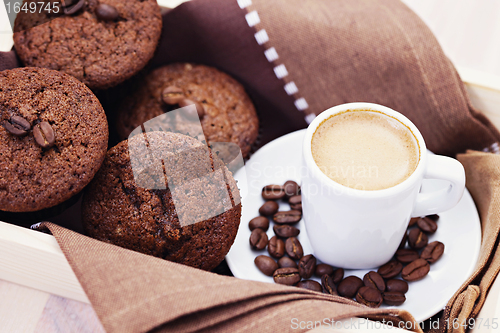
{"x": 116, "y": 210}
{"x": 32, "y": 177}
{"x": 100, "y": 54}
{"x": 229, "y": 113}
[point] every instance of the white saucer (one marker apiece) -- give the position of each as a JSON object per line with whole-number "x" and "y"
{"x": 459, "y": 229}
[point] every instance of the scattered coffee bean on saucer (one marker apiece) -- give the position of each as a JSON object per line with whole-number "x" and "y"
{"x": 260, "y": 222}
{"x": 310, "y": 284}
{"x": 427, "y": 225}
{"x": 432, "y": 252}
{"x": 369, "y": 296}
{"x": 322, "y": 269}
{"x": 258, "y": 239}
{"x": 291, "y": 188}
{"x": 276, "y": 247}
{"x": 288, "y": 276}
{"x": 269, "y": 208}
{"x": 417, "y": 239}
{"x": 307, "y": 265}
{"x": 349, "y": 286}
{"x": 294, "y": 268}
{"x": 273, "y": 192}
{"x": 266, "y": 264}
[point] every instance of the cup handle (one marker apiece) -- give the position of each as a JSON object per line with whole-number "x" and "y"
{"x": 445, "y": 168}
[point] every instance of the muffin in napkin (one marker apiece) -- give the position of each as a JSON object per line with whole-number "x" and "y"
{"x": 53, "y": 138}
{"x": 101, "y": 43}
{"x": 164, "y": 194}
{"x": 225, "y": 111}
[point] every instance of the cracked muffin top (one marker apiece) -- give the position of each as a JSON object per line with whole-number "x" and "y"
{"x": 228, "y": 113}
{"x": 53, "y": 138}
{"x": 164, "y": 194}
{"x": 101, "y": 50}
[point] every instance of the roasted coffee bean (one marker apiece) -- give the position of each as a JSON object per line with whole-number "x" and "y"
{"x": 269, "y": 208}
{"x": 106, "y": 12}
{"x": 70, "y": 7}
{"x": 17, "y": 126}
{"x": 295, "y": 202}
{"x": 369, "y": 296}
{"x": 287, "y": 262}
{"x": 258, "y": 239}
{"x": 310, "y": 284}
{"x": 322, "y": 269}
{"x": 432, "y": 252}
{"x": 200, "y": 110}
{"x": 172, "y": 95}
{"x": 290, "y": 216}
{"x": 294, "y": 248}
{"x": 266, "y": 264}
{"x": 307, "y": 264}
{"x": 328, "y": 285}
{"x": 286, "y": 231}
{"x": 413, "y": 221}
{"x": 349, "y": 286}
{"x": 417, "y": 239}
{"x": 338, "y": 275}
{"x": 276, "y": 247}
{"x": 403, "y": 241}
{"x": 397, "y": 285}
{"x": 406, "y": 256}
{"x": 289, "y": 276}
{"x": 390, "y": 270}
{"x": 291, "y": 188}
{"x": 393, "y": 298}
{"x": 273, "y": 192}
{"x": 44, "y": 134}
{"x": 374, "y": 280}
{"x": 427, "y": 225}
{"x": 433, "y": 217}
{"x": 415, "y": 270}
{"x": 260, "y": 222}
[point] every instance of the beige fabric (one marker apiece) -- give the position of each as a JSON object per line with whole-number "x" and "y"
{"x": 133, "y": 292}
{"x": 483, "y": 182}
{"x": 340, "y": 51}
{"x": 470, "y": 296}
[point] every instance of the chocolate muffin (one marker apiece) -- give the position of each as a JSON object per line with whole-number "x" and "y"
{"x": 53, "y": 138}
{"x": 164, "y": 194}
{"x": 102, "y": 43}
{"x": 227, "y": 114}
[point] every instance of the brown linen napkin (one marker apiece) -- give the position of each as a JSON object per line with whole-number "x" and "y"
{"x": 296, "y": 58}
{"x": 483, "y": 175}
{"x": 300, "y": 57}
{"x": 133, "y": 292}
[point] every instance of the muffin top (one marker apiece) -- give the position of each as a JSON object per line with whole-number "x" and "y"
{"x": 99, "y": 52}
{"x": 229, "y": 115}
{"x": 164, "y": 194}
{"x": 53, "y": 138}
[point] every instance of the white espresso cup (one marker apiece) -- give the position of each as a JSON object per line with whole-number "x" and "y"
{"x": 353, "y": 228}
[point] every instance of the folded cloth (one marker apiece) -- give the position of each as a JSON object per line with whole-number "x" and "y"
{"x": 133, "y": 292}
{"x": 483, "y": 175}
{"x": 296, "y": 58}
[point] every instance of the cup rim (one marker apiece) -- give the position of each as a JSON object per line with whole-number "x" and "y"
{"x": 404, "y": 185}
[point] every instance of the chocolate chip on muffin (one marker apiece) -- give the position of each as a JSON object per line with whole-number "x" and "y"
{"x": 223, "y": 107}
{"x": 164, "y": 194}
{"x": 53, "y": 138}
{"x": 101, "y": 43}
